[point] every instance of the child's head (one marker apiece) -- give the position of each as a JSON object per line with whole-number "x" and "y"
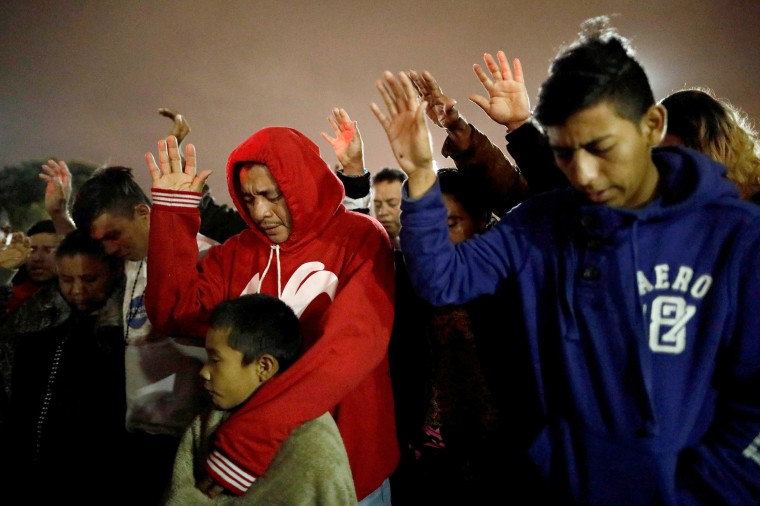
{"x": 249, "y": 340}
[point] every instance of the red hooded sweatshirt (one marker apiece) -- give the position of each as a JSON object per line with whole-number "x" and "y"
{"x": 335, "y": 270}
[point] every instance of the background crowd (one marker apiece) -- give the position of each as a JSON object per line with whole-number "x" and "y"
{"x": 570, "y": 317}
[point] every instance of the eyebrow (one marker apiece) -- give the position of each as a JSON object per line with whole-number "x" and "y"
{"x": 585, "y": 145}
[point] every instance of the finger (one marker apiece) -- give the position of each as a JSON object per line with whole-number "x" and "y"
{"x": 428, "y": 81}
{"x": 386, "y": 96}
{"x": 397, "y": 92}
{"x": 329, "y": 139}
{"x": 480, "y": 101}
{"x": 518, "y": 71}
{"x": 491, "y": 64}
{"x": 384, "y": 121}
{"x": 504, "y": 64}
{"x": 344, "y": 118}
{"x": 449, "y": 105}
{"x": 417, "y": 81}
{"x": 48, "y": 172}
{"x": 335, "y": 126}
{"x": 191, "y": 159}
{"x": 412, "y": 98}
{"x": 484, "y": 79}
{"x": 175, "y": 160}
{"x": 200, "y": 180}
{"x": 163, "y": 157}
{"x": 419, "y": 114}
{"x": 155, "y": 172}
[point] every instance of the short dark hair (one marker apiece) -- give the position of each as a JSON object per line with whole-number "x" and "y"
{"x": 79, "y": 242}
{"x": 260, "y": 324}
{"x": 41, "y": 227}
{"x": 389, "y": 174}
{"x": 109, "y": 189}
{"x": 466, "y": 190}
{"x": 600, "y": 66}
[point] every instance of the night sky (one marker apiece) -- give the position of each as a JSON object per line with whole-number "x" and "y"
{"x": 83, "y": 80}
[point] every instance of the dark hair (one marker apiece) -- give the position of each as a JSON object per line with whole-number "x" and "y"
{"x": 459, "y": 185}
{"x": 79, "y": 242}
{"x": 389, "y": 174}
{"x": 110, "y": 189}
{"x": 600, "y": 66}
{"x": 260, "y": 324}
{"x": 41, "y": 227}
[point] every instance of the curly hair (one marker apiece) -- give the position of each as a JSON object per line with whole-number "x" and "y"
{"x": 718, "y": 129}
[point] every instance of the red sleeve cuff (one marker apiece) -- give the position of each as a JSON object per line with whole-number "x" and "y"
{"x": 174, "y": 198}
{"x": 234, "y": 479}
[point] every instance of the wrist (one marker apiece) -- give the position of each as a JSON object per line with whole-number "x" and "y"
{"x": 353, "y": 170}
{"x": 460, "y": 137}
{"x": 514, "y": 125}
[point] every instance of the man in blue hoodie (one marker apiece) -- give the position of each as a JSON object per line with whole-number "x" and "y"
{"x": 637, "y": 288}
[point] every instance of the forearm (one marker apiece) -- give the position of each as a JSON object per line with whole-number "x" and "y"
{"x": 62, "y": 222}
{"x": 502, "y": 184}
{"x": 441, "y": 272}
{"x": 352, "y": 343}
{"x": 173, "y": 295}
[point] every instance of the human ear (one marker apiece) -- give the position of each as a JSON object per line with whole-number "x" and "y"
{"x": 142, "y": 211}
{"x": 654, "y": 124}
{"x": 266, "y": 367}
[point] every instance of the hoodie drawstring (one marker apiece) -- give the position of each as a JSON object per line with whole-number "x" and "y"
{"x": 273, "y": 249}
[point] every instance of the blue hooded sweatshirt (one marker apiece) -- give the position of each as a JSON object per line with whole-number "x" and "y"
{"x": 643, "y": 326}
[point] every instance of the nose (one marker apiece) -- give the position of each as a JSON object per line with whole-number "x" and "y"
{"x": 76, "y": 287}
{"x": 583, "y": 169}
{"x": 110, "y": 247}
{"x": 260, "y": 208}
{"x": 204, "y": 372}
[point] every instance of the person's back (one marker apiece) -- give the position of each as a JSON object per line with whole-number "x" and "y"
{"x": 251, "y": 340}
{"x": 636, "y": 286}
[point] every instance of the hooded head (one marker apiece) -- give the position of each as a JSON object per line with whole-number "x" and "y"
{"x": 306, "y": 192}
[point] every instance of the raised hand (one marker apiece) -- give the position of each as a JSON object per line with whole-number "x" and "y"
{"x": 180, "y": 128}
{"x": 440, "y": 109}
{"x": 508, "y": 102}
{"x": 407, "y": 131}
{"x": 15, "y": 250}
{"x": 347, "y": 143}
{"x": 169, "y": 173}
{"x": 57, "y": 177}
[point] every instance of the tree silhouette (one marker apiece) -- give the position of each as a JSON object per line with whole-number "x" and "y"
{"x": 22, "y": 192}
